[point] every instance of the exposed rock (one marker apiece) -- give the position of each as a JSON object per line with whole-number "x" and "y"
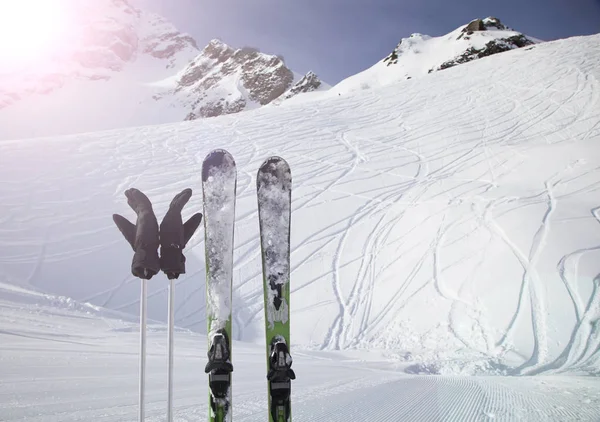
{"x": 492, "y": 22}
{"x": 310, "y": 82}
{"x": 474, "y": 25}
{"x": 393, "y": 57}
{"x": 492, "y": 47}
{"x": 265, "y": 78}
{"x": 404, "y": 45}
{"x": 215, "y": 52}
{"x": 217, "y": 108}
{"x": 482, "y": 25}
{"x": 223, "y": 80}
{"x": 218, "y": 50}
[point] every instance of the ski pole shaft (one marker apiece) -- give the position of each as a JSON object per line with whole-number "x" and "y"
{"x": 170, "y": 352}
{"x": 142, "y": 386}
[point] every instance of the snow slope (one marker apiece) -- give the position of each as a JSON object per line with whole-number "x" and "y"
{"x": 63, "y": 361}
{"x": 451, "y": 222}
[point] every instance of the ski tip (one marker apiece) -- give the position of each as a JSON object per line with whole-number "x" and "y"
{"x": 274, "y": 165}
{"x": 216, "y": 158}
{"x": 274, "y": 160}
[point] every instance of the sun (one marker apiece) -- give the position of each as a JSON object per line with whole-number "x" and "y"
{"x": 30, "y": 30}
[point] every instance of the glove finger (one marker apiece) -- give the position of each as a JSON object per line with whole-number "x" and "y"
{"x": 137, "y": 200}
{"x": 126, "y": 227}
{"x": 190, "y": 226}
{"x": 181, "y": 199}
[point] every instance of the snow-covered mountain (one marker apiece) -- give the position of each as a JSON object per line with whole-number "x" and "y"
{"x": 104, "y": 37}
{"x": 119, "y": 65}
{"x": 224, "y": 80}
{"x": 420, "y": 55}
{"x": 451, "y": 222}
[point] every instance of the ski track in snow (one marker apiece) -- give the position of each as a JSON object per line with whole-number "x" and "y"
{"x": 447, "y": 216}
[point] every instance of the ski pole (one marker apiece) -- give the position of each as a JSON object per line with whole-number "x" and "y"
{"x": 141, "y": 414}
{"x": 143, "y": 236}
{"x": 170, "y": 348}
{"x": 174, "y": 235}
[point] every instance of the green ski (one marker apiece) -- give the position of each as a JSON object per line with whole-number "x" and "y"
{"x": 274, "y": 189}
{"x": 219, "y": 179}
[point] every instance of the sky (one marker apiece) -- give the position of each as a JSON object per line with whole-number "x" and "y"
{"x": 339, "y": 38}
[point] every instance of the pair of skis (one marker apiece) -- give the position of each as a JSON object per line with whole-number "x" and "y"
{"x": 274, "y": 184}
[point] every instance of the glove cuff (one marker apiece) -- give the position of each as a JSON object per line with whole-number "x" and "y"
{"x": 145, "y": 263}
{"x": 172, "y": 260}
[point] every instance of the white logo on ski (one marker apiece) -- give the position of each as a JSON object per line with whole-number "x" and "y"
{"x": 277, "y": 315}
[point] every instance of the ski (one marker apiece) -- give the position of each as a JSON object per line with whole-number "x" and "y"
{"x": 219, "y": 179}
{"x": 274, "y": 189}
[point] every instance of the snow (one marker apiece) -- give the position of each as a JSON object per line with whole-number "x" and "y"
{"x": 219, "y": 217}
{"x": 444, "y": 234}
{"x": 68, "y": 365}
{"x": 84, "y": 105}
{"x": 274, "y": 185}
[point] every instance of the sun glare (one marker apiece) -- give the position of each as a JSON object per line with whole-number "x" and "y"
{"x": 30, "y": 30}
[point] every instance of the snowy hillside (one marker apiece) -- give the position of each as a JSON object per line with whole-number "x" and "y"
{"x": 451, "y": 222}
{"x": 117, "y": 65}
{"x": 420, "y": 55}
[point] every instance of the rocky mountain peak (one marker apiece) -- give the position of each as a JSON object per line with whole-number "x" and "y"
{"x": 309, "y": 83}
{"x": 503, "y": 39}
{"x": 218, "y": 50}
{"x": 483, "y": 25}
{"x": 418, "y": 55}
{"x": 224, "y": 80}
{"x": 477, "y": 39}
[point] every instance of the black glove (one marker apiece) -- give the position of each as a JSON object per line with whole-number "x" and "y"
{"x": 174, "y": 235}
{"x": 143, "y": 236}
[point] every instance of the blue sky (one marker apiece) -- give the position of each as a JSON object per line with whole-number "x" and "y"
{"x": 337, "y": 38}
